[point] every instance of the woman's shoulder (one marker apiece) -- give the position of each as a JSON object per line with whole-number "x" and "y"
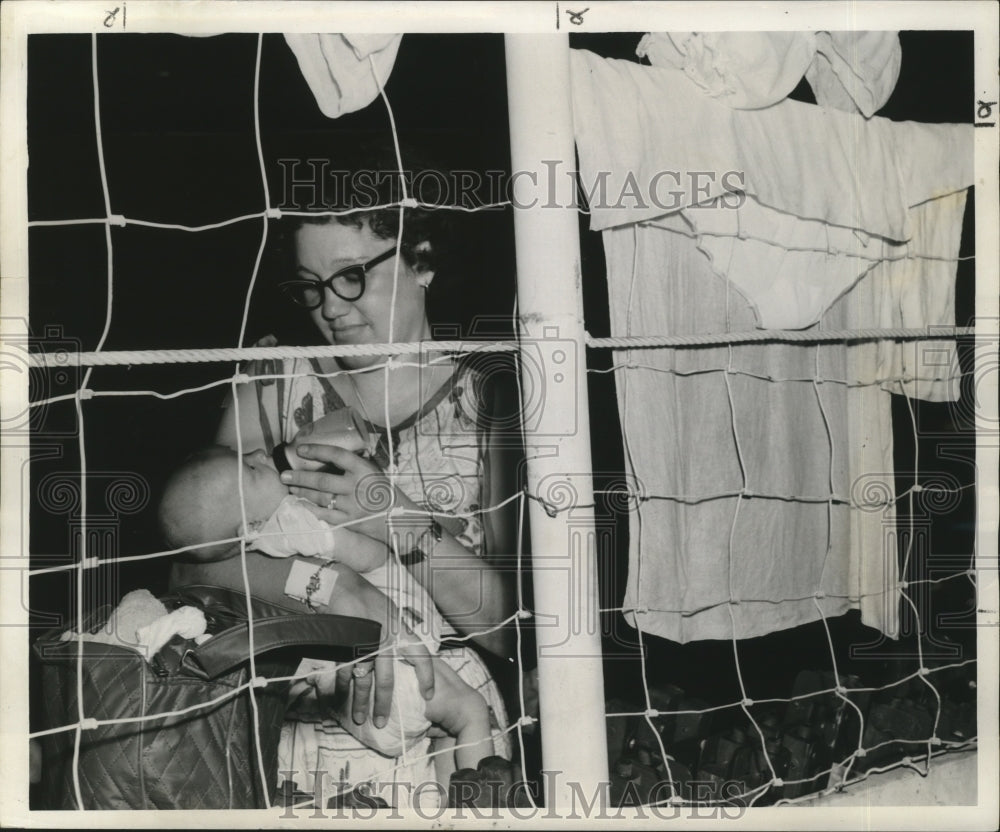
{"x": 267, "y": 370}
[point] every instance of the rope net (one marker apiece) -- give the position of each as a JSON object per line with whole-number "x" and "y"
{"x": 834, "y": 730}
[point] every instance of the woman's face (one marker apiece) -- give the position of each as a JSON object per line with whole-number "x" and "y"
{"x": 324, "y": 249}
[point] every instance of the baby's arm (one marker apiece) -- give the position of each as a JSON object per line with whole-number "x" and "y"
{"x": 357, "y": 551}
{"x": 462, "y": 713}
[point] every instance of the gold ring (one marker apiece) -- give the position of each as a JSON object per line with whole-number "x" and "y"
{"x": 359, "y": 671}
{"x": 332, "y": 502}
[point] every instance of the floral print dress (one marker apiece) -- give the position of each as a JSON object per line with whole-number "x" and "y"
{"x": 437, "y": 459}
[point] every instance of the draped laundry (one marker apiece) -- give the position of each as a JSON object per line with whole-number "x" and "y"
{"x": 338, "y": 68}
{"x": 768, "y": 469}
{"x": 854, "y": 71}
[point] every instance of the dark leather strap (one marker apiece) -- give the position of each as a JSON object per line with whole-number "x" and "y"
{"x": 224, "y": 651}
{"x": 274, "y": 627}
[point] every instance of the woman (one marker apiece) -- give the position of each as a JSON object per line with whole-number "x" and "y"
{"x": 440, "y": 464}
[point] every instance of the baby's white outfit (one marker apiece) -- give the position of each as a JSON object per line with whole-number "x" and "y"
{"x": 294, "y": 529}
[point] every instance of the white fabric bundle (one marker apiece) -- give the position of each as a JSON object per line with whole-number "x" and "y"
{"x": 851, "y": 71}
{"x": 338, "y": 68}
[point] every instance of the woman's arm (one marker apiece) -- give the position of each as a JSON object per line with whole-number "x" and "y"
{"x": 352, "y": 595}
{"x": 472, "y": 592}
{"x": 482, "y": 590}
{"x": 248, "y": 407}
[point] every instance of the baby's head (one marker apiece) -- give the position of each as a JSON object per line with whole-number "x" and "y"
{"x": 201, "y": 502}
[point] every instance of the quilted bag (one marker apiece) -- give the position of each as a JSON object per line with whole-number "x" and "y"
{"x": 206, "y": 757}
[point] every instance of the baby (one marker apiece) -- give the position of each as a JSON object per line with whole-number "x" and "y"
{"x": 201, "y": 504}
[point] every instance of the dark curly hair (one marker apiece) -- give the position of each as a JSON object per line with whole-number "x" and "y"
{"x": 369, "y": 176}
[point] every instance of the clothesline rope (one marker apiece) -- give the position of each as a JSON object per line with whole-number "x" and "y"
{"x": 194, "y": 356}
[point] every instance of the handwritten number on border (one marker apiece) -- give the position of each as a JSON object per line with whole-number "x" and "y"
{"x": 111, "y": 16}
{"x": 984, "y": 110}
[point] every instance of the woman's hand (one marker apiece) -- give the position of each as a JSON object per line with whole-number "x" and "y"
{"x": 377, "y": 675}
{"x": 362, "y": 495}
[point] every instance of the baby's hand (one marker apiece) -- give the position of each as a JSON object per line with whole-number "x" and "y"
{"x": 356, "y": 551}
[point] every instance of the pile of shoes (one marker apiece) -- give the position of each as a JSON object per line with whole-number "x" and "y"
{"x": 698, "y": 755}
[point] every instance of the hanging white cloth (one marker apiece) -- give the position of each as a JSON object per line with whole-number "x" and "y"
{"x": 851, "y": 71}
{"x": 768, "y": 468}
{"x": 745, "y": 70}
{"x": 339, "y": 71}
{"x": 636, "y": 125}
{"x": 791, "y": 270}
{"x": 855, "y": 71}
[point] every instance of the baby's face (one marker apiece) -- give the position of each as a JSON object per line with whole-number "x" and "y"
{"x": 201, "y": 503}
{"x": 263, "y": 489}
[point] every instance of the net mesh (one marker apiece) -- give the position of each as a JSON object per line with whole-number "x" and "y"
{"x": 855, "y": 754}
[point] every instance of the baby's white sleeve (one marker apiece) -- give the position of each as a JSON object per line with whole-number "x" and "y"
{"x": 294, "y": 530}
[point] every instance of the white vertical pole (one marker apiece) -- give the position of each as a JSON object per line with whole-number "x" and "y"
{"x": 557, "y": 424}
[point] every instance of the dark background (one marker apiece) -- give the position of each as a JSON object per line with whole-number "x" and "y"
{"x": 177, "y": 125}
